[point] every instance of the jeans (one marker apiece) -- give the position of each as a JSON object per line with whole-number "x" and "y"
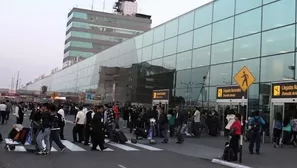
{"x": 55, "y": 136}
{"x": 164, "y": 132}
{"x": 256, "y": 138}
{"x": 179, "y": 133}
{"x": 44, "y": 135}
{"x": 276, "y": 135}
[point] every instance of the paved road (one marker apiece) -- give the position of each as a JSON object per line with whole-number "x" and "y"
{"x": 125, "y": 156}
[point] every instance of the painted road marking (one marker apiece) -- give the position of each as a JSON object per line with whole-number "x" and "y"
{"x": 145, "y": 146}
{"x": 44, "y": 146}
{"x": 72, "y": 146}
{"x": 121, "y": 166}
{"x": 18, "y": 147}
{"x": 124, "y": 147}
{"x": 106, "y": 150}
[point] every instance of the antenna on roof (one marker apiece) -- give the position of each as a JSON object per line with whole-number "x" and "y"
{"x": 103, "y": 5}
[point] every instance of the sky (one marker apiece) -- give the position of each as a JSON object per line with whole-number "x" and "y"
{"x": 32, "y": 32}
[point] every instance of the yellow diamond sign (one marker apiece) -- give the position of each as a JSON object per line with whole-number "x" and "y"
{"x": 244, "y": 78}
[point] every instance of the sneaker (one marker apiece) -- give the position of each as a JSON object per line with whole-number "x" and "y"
{"x": 40, "y": 153}
{"x": 63, "y": 149}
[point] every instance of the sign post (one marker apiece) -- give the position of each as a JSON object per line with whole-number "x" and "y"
{"x": 244, "y": 78}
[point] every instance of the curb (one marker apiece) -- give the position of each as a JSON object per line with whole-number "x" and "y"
{"x": 229, "y": 164}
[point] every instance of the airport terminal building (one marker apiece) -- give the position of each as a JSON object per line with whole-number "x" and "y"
{"x": 191, "y": 55}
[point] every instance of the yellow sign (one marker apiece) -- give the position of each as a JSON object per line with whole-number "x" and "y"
{"x": 276, "y": 90}
{"x": 155, "y": 95}
{"x": 244, "y": 78}
{"x": 220, "y": 92}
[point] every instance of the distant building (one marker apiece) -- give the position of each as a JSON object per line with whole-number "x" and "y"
{"x": 90, "y": 32}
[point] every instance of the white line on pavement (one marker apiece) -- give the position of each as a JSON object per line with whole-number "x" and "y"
{"x": 121, "y": 166}
{"x": 52, "y": 150}
{"x": 229, "y": 164}
{"x": 124, "y": 147}
{"x": 72, "y": 146}
{"x": 145, "y": 146}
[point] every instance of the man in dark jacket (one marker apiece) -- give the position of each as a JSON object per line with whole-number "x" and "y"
{"x": 97, "y": 127}
{"x": 179, "y": 122}
{"x": 87, "y": 129}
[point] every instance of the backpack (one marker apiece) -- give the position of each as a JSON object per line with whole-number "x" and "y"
{"x": 256, "y": 125}
{"x": 228, "y": 153}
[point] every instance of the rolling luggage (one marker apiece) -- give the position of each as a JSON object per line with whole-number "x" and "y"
{"x": 119, "y": 136}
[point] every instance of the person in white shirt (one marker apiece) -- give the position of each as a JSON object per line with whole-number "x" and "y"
{"x": 3, "y": 112}
{"x": 197, "y": 122}
{"x": 62, "y": 113}
{"x": 79, "y": 126}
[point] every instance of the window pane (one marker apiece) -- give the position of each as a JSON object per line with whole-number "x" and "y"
{"x": 221, "y": 52}
{"x": 268, "y": 1}
{"x": 171, "y": 28}
{"x": 199, "y": 76}
{"x": 159, "y": 33}
{"x": 158, "y": 50}
{"x": 248, "y": 23}
{"x": 201, "y": 57}
{"x": 247, "y": 47}
{"x": 138, "y": 42}
{"x": 278, "y": 14}
{"x": 203, "y": 15}
{"x": 221, "y": 74}
{"x": 278, "y": 41}
{"x": 183, "y": 60}
{"x": 146, "y": 53}
{"x": 244, "y": 5}
{"x": 186, "y": 23}
{"x": 157, "y": 62}
{"x": 185, "y": 42}
{"x": 253, "y": 66}
{"x": 183, "y": 78}
{"x": 170, "y": 46}
{"x": 223, "y": 9}
{"x": 223, "y": 30}
{"x": 277, "y": 68}
{"x": 79, "y": 44}
{"x": 202, "y": 36}
{"x": 148, "y": 38}
{"x": 169, "y": 62}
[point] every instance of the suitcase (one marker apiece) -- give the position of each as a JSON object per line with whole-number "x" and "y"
{"x": 228, "y": 154}
{"x": 119, "y": 137}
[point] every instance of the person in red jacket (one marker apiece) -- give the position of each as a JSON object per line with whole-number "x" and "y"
{"x": 235, "y": 131}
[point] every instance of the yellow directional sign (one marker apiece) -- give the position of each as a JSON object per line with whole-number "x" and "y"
{"x": 244, "y": 78}
{"x": 220, "y": 92}
{"x": 276, "y": 90}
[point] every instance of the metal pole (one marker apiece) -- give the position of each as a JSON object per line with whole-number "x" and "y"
{"x": 241, "y": 135}
{"x": 17, "y": 81}
{"x": 92, "y": 4}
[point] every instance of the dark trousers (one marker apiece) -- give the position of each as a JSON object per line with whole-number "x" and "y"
{"x": 276, "y": 135}
{"x": 7, "y": 115}
{"x": 55, "y": 136}
{"x": 20, "y": 120}
{"x": 179, "y": 134}
{"x": 97, "y": 139}
{"x": 87, "y": 135}
{"x": 62, "y": 132}
{"x": 3, "y": 117}
{"x": 171, "y": 130}
{"x": 78, "y": 130}
{"x": 294, "y": 134}
{"x": 287, "y": 137}
{"x": 255, "y": 139}
{"x": 132, "y": 126}
{"x": 234, "y": 144}
{"x": 197, "y": 129}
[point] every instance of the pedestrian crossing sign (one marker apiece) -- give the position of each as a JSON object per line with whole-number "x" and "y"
{"x": 244, "y": 78}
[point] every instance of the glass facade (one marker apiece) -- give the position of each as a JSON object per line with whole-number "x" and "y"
{"x": 193, "y": 54}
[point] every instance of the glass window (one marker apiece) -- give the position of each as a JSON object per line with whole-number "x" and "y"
{"x": 147, "y": 38}
{"x": 139, "y": 55}
{"x": 244, "y": 5}
{"x": 157, "y": 62}
{"x": 221, "y": 52}
{"x": 278, "y": 41}
{"x": 285, "y": 14}
{"x": 170, "y": 46}
{"x": 223, "y": 30}
{"x": 186, "y": 22}
{"x": 78, "y": 54}
{"x": 223, "y": 9}
{"x": 138, "y": 42}
{"x": 248, "y": 23}
{"x": 183, "y": 60}
{"x": 253, "y": 65}
{"x": 185, "y": 42}
{"x": 199, "y": 76}
{"x": 171, "y": 28}
{"x": 202, "y": 36}
{"x": 79, "y": 15}
{"x": 159, "y": 33}
{"x": 183, "y": 79}
{"x": 277, "y": 68}
{"x": 201, "y": 57}
{"x": 158, "y": 50}
{"x": 221, "y": 74}
{"x": 146, "y": 53}
{"x": 268, "y": 1}
{"x": 79, "y": 44}
{"x": 247, "y": 47}
{"x": 169, "y": 62}
{"x": 203, "y": 15}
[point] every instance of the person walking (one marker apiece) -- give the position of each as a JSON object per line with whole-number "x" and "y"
{"x": 179, "y": 122}
{"x": 163, "y": 124}
{"x": 3, "y": 108}
{"x": 63, "y": 123}
{"x": 87, "y": 129}
{"x": 79, "y": 126}
{"x": 97, "y": 128}
{"x": 255, "y": 127}
{"x": 44, "y": 133}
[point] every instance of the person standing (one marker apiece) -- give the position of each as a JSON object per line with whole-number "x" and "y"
{"x": 56, "y": 122}
{"x": 87, "y": 129}
{"x": 235, "y": 131}
{"x": 179, "y": 122}
{"x": 44, "y": 133}
{"x": 8, "y": 109}
{"x": 97, "y": 128}
{"x": 79, "y": 126}
{"x": 197, "y": 122}
{"x": 63, "y": 123}
{"x": 255, "y": 125}
{"x": 19, "y": 112}
{"x": 163, "y": 124}
{"x": 3, "y": 108}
